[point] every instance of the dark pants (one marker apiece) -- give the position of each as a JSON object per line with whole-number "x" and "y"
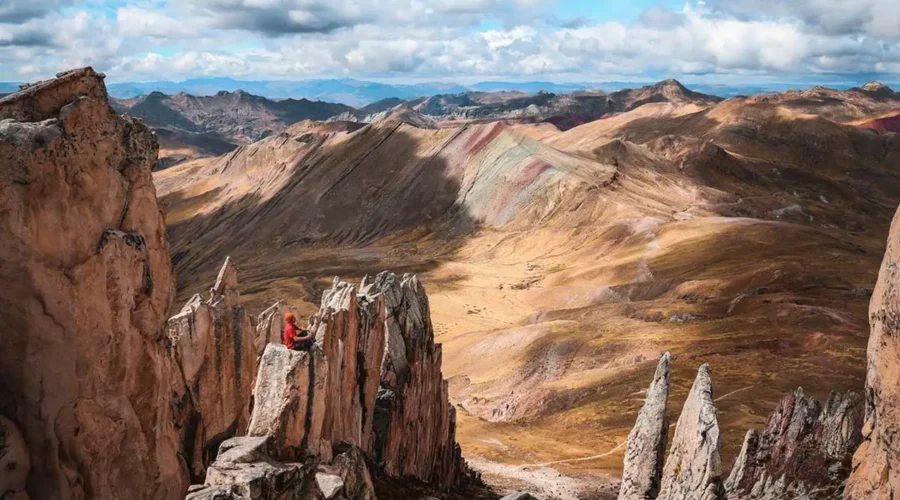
{"x": 302, "y": 345}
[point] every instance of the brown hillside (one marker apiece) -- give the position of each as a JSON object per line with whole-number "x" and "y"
{"x": 747, "y": 235}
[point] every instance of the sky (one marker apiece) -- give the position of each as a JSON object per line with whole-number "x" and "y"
{"x": 464, "y": 41}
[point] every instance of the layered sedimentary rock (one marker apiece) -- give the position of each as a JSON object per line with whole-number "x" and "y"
{"x": 694, "y": 467}
{"x": 415, "y": 425}
{"x": 646, "y": 448}
{"x": 213, "y": 343}
{"x": 803, "y": 452}
{"x": 87, "y": 286}
{"x": 270, "y": 325}
{"x": 875, "y": 472}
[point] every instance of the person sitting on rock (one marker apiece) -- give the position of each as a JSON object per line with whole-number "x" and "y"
{"x": 295, "y": 338}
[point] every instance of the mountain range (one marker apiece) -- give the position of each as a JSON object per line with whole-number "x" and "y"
{"x": 193, "y": 126}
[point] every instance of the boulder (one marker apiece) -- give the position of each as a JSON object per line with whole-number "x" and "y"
{"x": 519, "y": 495}
{"x": 213, "y": 343}
{"x": 329, "y": 484}
{"x": 244, "y": 470}
{"x": 349, "y": 465}
{"x": 803, "y": 452}
{"x": 694, "y": 467}
{"x": 290, "y": 397}
{"x": 646, "y": 448}
{"x": 87, "y": 286}
{"x": 875, "y": 472}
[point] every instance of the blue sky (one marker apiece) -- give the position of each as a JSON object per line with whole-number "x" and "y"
{"x": 711, "y": 41}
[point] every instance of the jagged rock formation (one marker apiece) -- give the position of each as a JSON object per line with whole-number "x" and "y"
{"x": 803, "y": 452}
{"x": 415, "y": 423}
{"x": 213, "y": 342}
{"x": 270, "y": 325}
{"x": 646, "y": 448}
{"x": 694, "y": 467}
{"x": 87, "y": 286}
{"x": 875, "y": 472}
{"x": 319, "y": 406}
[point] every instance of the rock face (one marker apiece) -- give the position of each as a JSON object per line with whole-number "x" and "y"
{"x": 350, "y": 330}
{"x": 694, "y": 467}
{"x": 803, "y": 452}
{"x": 646, "y": 448}
{"x": 15, "y": 463}
{"x": 875, "y": 474}
{"x": 213, "y": 342}
{"x": 87, "y": 285}
{"x": 415, "y": 425}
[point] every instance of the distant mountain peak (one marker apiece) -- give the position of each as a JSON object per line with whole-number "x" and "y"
{"x": 876, "y": 87}
{"x": 670, "y": 82}
{"x": 405, "y": 114}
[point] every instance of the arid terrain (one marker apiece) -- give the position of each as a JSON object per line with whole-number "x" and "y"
{"x": 559, "y": 264}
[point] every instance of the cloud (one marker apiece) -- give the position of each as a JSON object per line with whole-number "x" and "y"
{"x": 17, "y": 11}
{"x": 431, "y": 39}
{"x": 875, "y": 18}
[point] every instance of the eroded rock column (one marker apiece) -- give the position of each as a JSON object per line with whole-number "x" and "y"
{"x": 694, "y": 467}
{"x": 415, "y": 425}
{"x": 213, "y": 342}
{"x": 646, "y": 448}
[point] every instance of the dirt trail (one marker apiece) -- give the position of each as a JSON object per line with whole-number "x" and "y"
{"x": 543, "y": 482}
{"x": 580, "y": 459}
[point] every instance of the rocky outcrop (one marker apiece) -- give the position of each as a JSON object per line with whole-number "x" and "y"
{"x": 803, "y": 452}
{"x": 213, "y": 343}
{"x": 270, "y": 325}
{"x": 875, "y": 472}
{"x": 326, "y": 406}
{"x": 415, "y": 425}
{"x": 694, "y": 467}
{"x": 87, "y": 286}
{"x": 646, "y": 448}
{"x": 245, "y": 470}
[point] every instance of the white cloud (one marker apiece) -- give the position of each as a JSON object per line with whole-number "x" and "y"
{"x": 426, "y": 39}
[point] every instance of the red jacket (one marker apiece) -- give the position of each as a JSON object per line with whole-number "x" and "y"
{"x": 290, "y": 334}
